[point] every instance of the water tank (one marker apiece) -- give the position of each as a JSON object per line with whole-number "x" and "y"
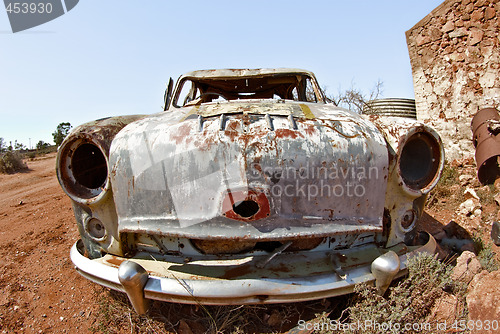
{"x": 391, "y": 107}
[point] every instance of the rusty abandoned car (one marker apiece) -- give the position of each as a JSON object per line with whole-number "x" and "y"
{"x": 248, "y": 188}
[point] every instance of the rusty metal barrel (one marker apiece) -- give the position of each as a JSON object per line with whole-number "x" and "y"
{"x": 485, "y": 136}
{"x": 395, "y": 107}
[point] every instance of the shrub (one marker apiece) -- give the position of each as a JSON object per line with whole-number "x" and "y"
{"x": 12, "y": 162}
{"x": 485, "y": 254}
{"x": 407, "y": 303}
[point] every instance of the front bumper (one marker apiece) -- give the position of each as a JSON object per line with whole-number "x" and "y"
{"x": 288, "y": 277}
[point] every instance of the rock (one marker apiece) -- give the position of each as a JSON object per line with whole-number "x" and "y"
{"x": 476, "y": 279}
{"x": 489, "y": 13}
{"x": 455, "y": 56}
{"x": 449, "y": 26}
{"x": 468, "y": 207}
{"x": 470, "y": 193}
{"x": 477, "y": 213}
{"x": 467, "y": 266}
{"x": 477, "y": 15}
{"x": 481, "y": 3}
{"x": 482, "y": 299}
{"x": 444, "y": 309}
{"x": 466, "y": 178}
{"x": 475, "y": 36}
{"x": 421, "y": 40}
{"x": 435, "y": 34}
{"x": 460, "y": 32}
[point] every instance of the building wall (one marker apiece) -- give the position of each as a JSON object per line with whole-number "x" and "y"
{"x": 455, "y": 60}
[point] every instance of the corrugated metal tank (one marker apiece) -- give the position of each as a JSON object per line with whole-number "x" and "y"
{"x": 391, "y": 107}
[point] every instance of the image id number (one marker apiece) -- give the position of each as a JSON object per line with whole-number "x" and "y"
{"x": 29, "y": 8}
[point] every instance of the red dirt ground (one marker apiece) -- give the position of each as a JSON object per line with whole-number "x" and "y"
{"x": 41, "y": 291}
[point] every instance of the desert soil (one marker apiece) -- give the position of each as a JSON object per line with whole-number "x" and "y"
{"x": 41, "y": 291}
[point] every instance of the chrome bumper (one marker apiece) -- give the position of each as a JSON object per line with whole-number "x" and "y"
{"x": 200, "y": 281}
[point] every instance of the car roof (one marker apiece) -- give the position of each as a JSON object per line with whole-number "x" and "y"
{"x": 238, "y": 73}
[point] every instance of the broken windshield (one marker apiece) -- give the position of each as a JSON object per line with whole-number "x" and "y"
{"x": 289, "y": 86}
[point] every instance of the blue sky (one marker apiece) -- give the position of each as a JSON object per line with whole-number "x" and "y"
{"x": 113, "y": 57}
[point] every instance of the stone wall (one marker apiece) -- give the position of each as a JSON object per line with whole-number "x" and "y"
{"x": 455, "y": 60}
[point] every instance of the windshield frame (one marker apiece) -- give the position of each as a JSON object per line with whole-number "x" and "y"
{"x": 199, "y": 77}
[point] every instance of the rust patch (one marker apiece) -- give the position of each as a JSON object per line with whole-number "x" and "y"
{"x": 257, "y": 167}
{"x": 233, "y": 129}
{"x": 182, "y": 132}
{"x": 304, "y": 244}
{"x": 217, "y": 247}
{"x": 233, "y": 198}
{"x": 310, "y": 129}
{"x": 115, "y": 261}
{"x": 331, "y": 212}
{"x": 287, "y": 133}
{"x": 231, "y": 134}
{"x": 233, "y": 125}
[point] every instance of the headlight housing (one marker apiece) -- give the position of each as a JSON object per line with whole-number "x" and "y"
{"x": 420, "y": 161}
{"x": 83, "y": 170}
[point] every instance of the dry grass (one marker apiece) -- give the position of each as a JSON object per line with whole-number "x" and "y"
{"x": 116, "y": 315}
{"x": 446, "y": 188}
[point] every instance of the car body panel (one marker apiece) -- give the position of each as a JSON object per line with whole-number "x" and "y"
{"x": 170, "y": 175}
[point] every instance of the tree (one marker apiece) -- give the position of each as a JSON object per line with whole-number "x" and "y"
{"x": 61, "y": 132}
{"x": 18, "y": 146}
{"x": 354, "y": 99}
{"x": 2, "y": 145}
{"x": 41, "y": 145}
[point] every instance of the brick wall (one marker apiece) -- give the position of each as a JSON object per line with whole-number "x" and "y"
{"x": 455, "y": 60}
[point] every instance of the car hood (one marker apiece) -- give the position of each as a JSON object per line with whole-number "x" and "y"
{"x": 250, "y": 169}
